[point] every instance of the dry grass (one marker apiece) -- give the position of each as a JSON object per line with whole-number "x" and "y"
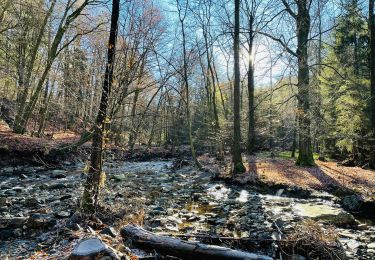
{"x": 311, "y": 240}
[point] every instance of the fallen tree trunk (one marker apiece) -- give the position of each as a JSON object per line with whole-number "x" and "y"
{"x": 183, "y": 249}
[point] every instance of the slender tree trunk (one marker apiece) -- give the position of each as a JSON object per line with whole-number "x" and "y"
{"x": 47, "y": 97}
{"x": 187, "y": 98}
{"x": 132, "y": 135}
{"x": 372, "y": 71}
{"x": 238, "y": 166}
{"x": 44, "y": 110}
{"x": 250, "y": 91}
{"x": 320, "y": 131}
{"x": 270, "y": 112}
{"x": 215, "y": 84}
{"x": 95, "y": 176}
{"x": 305, "y": 156}
{"x": 295, "y": 132}
{"x": 220, "y": 91}
{"x": 22, "y": 89}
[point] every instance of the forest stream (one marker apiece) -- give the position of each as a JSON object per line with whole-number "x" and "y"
{"x": 36, "y": 207}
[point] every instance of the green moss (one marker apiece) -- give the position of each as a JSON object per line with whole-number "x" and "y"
{"x": 239, "y": 168}
{"x": 305, "y": 160}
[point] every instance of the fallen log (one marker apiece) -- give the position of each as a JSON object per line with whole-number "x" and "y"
{"x": 214, "y": 237}
{"x": 183, "y": 249}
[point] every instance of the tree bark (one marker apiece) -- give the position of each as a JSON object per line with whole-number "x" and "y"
{"x": 250, "y": 90}
{"x": 133, "y": 133}
{"x": 305, "y": 156}
{"x": 238, "y": 166}
{"x": 183, "y": 249}
{"x": 95, "y": 176}
{"x": 294, "y": 143}
{"x": 372, "y": 71}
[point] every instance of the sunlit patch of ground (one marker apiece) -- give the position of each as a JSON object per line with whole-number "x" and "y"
{"x": 16, "y": 142}
{"x": 324, "y": 176}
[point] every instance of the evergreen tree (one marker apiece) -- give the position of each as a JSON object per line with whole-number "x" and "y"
{"x": 345, "y": 86}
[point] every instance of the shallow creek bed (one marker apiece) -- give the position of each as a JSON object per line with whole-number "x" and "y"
{"x": 37, "y": 206}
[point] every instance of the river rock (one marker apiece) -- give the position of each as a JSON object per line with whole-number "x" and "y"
{"x": 18, "y": 189}
{"x": 371, "y": 246}
{"x": 4, "y": 201}
{"x": 352, "y": 202}
{"x": 62, "y": 214}
{"x": 31, "y": 202}
{"x": 110, "y": 231}
{"x": 40, "y": 221}
{"x": 343, "y": 219}
{"x": 12, "y": 222}
{"x": 353, "y": 244}
{"x": 58, "y": 174}
{"x": 279, "y": 192}
{"x": 57, "y": 186}
{"x": 93, "y": 248}
{"x": 119, "y": 177}
{"x": 65, "y": 197}
{"x": 7, "y": 170}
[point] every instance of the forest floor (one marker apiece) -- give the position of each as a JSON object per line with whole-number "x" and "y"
{"x": 325, "y": 176}
{"x": 17, "y": 142}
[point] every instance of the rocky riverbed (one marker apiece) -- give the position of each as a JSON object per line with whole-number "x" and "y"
{"x": 37, "y": 208}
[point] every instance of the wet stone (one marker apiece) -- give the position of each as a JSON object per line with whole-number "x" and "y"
{"x": 58, "y": 186}
{"x": 92, "y": 248}
{"x": 31, "y": 202}
{"x": 18, "y": 189}
{"x": 58, "y": 174}
{"x": 110, "y": 231}
{"x": 40, "y": 221}
{"x": 63, "y": 214}
{"x": 4, "y": 201}
{"x": 12, "y": 222}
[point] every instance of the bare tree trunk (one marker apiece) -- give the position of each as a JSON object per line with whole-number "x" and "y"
{"x": 295, "y": 132}
{"x": 250, "y": 90}
{"x": 186, "y": 82}
{"x": 44, "y": 110}
{"x": 215, "y": 83}
{"x": 305, "y": 156}
{"x": 132, "y": 135}
{"x": 238, "y": 166}
{"x": 95, "y": 176}
{"x": 372, "y": 71}
{"x": 47, "y": 97}
{"x": 270, "y": 112}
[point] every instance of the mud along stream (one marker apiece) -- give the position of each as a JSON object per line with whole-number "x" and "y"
{"x": 36, "y": 207}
